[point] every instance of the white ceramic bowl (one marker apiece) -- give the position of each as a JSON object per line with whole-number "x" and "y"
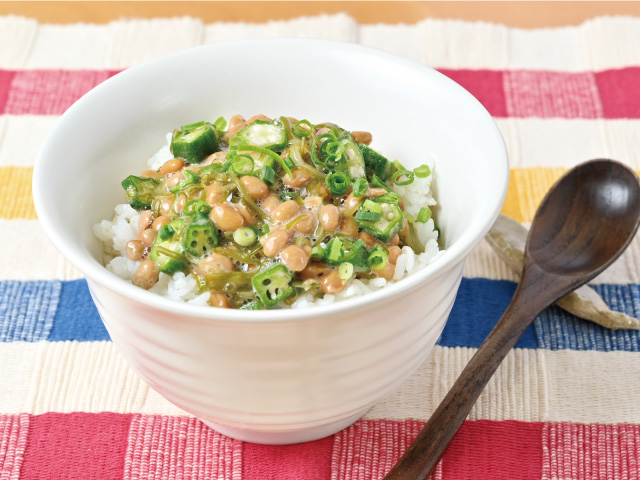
{"x": 280, "y": 376}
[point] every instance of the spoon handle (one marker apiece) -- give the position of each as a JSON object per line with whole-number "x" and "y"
{"x": 424, "y": 453}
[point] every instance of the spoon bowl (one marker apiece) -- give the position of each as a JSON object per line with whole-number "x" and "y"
{"x": 579, "y": 225}
{"x": 583, "y": 224}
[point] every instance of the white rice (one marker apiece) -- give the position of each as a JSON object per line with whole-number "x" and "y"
{"x": 123, "y": 227}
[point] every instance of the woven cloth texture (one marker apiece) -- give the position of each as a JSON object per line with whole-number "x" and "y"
{"x": 562, "y": 406}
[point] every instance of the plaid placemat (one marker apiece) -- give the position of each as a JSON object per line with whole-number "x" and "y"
{"x": 564, "y": 405}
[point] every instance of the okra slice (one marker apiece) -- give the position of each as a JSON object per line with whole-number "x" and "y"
{"x": 388, "y": 225}
{"x": 190, "y": 178}
{"x": 167, "y": 249}
{"x": 376, "y": 162}
{"x": 273, "y": 285}
{"x": 140, "y": 191}
{"x": 194, "y": 142}
{"x": 201, "y": 236}
{"x": 255, "y": 305}
{"x": 271, "y": 135}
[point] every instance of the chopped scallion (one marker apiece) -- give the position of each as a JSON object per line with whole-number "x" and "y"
{"x": 398, "y": 165}
{"x": 335, "y": 251}
{"x": 372, "y": 206}
{"x": 289, "y": 162}
{"x": 408, "y": 180}
{"x": 360, "y": 187}
{"x": 303, "y": 128}
{"x": 317, "y": 252}
{"x": 377, "y": 258}
{"x": 196, "y": 207}
{"x": 377, "y": 182}
{"x": 338, "y": 183}
{"x": 345, "y": 271}
{"x": 422, "y": 171}
{"x": 220, "y": 124}
{"x": 245, "y": 236}
{"x": 268, "y": 175}
{"x": 423, "y": 215}
{"x": 242, "y": 164}
{"x": 365, "y": 216}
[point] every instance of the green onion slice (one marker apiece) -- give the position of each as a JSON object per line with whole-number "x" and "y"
{"x": 322, "y": 141}
{"x": 242, "y": 164}
{"x": 408, "y": 174}
{"x": 365, "y": 216}
{"x": 264, "y": 151}
{"x": 372, "y": 206}
{"x": 220, "y": 124}
{"x": 360, "y": 187}
{"x": 334, "y": 149}
{"x": 196, "y": 207}
{"x": 245, "y": 236}
{"x": 423, "y": 215}
{"x": 269, "y": 175}
{"x": 345, "y": 271}
{"x": 234, "y": 142}
{"x": 377, "y": 258}
{"x": 398, "y": 165}
{"x": 378, "y": 182}
{"x": 422, "y": 171}
{"x": 289, "y": 162}
{"x": 338, "y": 183}
{"x": 389, "y": 197}
{"x": 335, "y": 250}
{"x": 317, "y": 252}
{"x": 300, "y": 130}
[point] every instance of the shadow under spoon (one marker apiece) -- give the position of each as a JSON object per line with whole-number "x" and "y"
{"x": 583, "y": 224}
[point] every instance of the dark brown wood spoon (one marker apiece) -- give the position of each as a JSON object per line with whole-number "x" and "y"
{"x": 583, "y": 224}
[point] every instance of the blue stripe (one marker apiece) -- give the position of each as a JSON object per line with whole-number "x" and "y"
{"x": 479, "y": 305}
{"x": 77, "y": 317}
{"x": 63, "y": 311}
{"x": 27, "y": 309}
{"x": 557, "y": 330}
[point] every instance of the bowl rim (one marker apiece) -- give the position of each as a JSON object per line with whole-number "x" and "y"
{"x": 95, "y": 272}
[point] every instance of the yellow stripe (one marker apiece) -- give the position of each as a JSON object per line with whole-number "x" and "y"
{"x": 16, "y": 199}
{"x": 527, "y": 187}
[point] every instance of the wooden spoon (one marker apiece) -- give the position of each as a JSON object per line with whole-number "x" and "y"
{"x": 584, "y": 223}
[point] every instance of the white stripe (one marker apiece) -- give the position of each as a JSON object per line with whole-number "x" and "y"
{"x": 17, "y": 36}
{"x": 21, "y": 137}
{"x": 27, "y": 254}
{"x": 561, "y": 142}
{"x": 531, "y": 385}
{"x": 439, "y": 43}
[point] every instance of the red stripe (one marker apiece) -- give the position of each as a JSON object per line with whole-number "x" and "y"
{"x": 180, "y": 448}
{"x": 490, "y": 450}
{"x": 485, "y": 85}
{"x": 508, "y": 93}
{"x": 591, "y": 451}
{"x": 6, "y": 77}
{"x": 14, "y": 430}
{"x": 303, "y": 461}
{"x": 122, "y": 446}
{"x": 76, "y": 445}
{"x": 620, "y": 92}
{"x": 551, "y": 94}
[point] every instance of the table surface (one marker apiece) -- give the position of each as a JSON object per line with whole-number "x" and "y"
{"x": 562, "y": 406}
{"x": 514, "y": 14}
